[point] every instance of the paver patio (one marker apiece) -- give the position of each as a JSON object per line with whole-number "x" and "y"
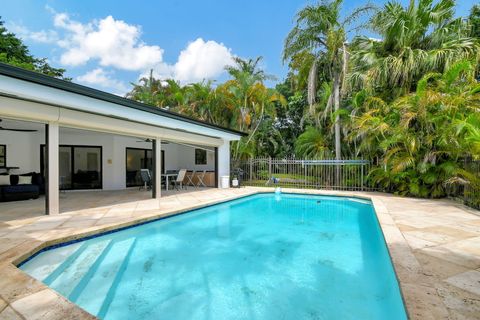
{"x": 434, "y": 244}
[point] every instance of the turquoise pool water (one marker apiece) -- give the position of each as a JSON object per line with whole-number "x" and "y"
{"x": 261, "y": 257}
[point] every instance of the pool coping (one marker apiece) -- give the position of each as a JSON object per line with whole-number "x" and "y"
{"x": 409, "y": 277}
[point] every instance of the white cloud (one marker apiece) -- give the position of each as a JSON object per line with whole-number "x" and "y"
{"x": 113, "y": 43}
{"x": 110, "y": 44}
{"x": 198, "y": 61}
{"x": 42, "y": 36}
{"x": 161, "y": 70}
{"x": 102, "y": 78}
{"x": 202, "y": 60}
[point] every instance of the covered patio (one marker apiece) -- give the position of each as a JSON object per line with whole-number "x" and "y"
{"x": 69, "y": 138}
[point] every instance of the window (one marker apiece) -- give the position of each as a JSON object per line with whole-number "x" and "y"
{"x": 3, "y": 156}
{"x": 200, "y": 156}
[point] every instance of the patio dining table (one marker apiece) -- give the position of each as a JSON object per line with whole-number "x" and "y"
{"x": 167, "y": 177}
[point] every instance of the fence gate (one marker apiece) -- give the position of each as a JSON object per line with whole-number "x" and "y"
{"x": 305, "y": 173}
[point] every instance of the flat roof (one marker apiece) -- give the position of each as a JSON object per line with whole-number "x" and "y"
{"x": 42, "y": 79}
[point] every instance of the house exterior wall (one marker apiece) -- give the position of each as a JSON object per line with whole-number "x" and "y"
{"x": 186, "y": 159}
{"x": 23, "y": 150}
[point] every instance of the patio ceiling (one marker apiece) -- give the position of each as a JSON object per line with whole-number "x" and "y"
{"x": 18, "y": 109}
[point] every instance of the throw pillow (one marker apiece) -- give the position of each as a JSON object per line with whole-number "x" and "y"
{"x": 5, "y": 180}
{"x": 25, "y": 180}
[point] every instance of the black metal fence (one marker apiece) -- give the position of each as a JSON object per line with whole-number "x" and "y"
{"x": 471, "y": 193}
{"x": 305, "y": 173}
{"x": 335, "y": 175}
{"x": 468, "y": 190}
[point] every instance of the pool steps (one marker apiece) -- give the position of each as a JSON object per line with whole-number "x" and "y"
{"x": 118, "y": 277}
{"x": 90, "y": 273}
{"x": 73, "y": 273}
{"x": 102, "y": 284}
{"x": 42, "y": 267}
{"x": 77, "y": 278}
{"x": 64, "y": 265}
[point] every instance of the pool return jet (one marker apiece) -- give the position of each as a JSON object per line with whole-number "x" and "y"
{"x": 278, "y": 190}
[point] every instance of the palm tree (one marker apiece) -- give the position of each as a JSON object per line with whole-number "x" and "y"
{"x": 320, "y": 30}
{"x": 474, "y": 21}
{"x": 471, "y": 127}
{"x": 243, "y": 102}
{"x": 148, "y": 91}
{"x": 250, "y": 99}
{"x": 250, "y": 67}
{"x": 246, "y": 87}
{"x": 423, "y": 135}
{"x": 256, "y": 102}
{"x": 194, "y": 100}
{"x": 414, "y": 40}
{"x": 311, "y": 145}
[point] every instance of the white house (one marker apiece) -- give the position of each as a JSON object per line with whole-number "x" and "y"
{"x": 81, "y": 138}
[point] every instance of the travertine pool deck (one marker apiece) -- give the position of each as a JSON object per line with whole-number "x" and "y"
{"x": 434, "y": 244}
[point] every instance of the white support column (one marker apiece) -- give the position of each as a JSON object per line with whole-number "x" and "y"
{"x": 223, "y": 162}
{"x": 158, "y": 168}
{"x": 53, "y": 203}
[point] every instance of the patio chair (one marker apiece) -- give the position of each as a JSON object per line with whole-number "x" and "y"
{"x": 190, "y": 178}
{"x": 163, "y": 182}
{"x": 200, "y": 178}
{"x": 146, "y": 179}
{"x": 179, "y": 181}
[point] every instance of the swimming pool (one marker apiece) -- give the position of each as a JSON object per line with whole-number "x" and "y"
{"x": 265, "y": 256}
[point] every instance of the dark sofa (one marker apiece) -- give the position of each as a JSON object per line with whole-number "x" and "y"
{"x": 86, "y": 179}
{"x": 15, "y": 191}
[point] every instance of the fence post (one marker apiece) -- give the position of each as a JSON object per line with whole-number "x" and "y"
{"x": 305, "y": 172}
{"x": 361, "y": 178}
{"x": 250, "y": 177}
{"x": 269, "y": 167}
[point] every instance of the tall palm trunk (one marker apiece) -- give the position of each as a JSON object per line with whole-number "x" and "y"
{"x": 336, "y": 104}
{"x": 312, "y": 86}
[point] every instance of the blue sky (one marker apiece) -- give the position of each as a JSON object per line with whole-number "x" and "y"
{"x": 108, "y": 44}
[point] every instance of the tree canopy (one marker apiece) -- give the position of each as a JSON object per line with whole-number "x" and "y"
{"x": 13, "y": 51}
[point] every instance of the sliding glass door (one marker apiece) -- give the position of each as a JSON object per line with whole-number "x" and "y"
{"x": 87, "y": 168}
{"x": 65, "y": 168}
{"x": 80, "y": 167}
{"x": 137, "y": 159}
